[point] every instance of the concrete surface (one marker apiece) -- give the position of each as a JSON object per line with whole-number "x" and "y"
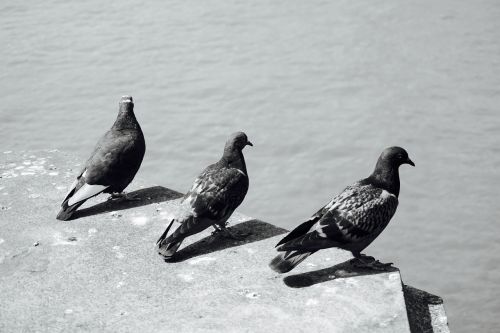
{"x": 99, "y": 272}
{"x": 425, "y": 311}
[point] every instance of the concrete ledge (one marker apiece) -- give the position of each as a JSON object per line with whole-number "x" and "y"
{"x": 425, "y": 311}
{"x": 100, "y": 273}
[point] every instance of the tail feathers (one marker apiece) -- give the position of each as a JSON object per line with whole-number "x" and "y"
{"x": 165, "y": 246}
{"x": 67, "y": 211}
{"x": 85, "y": 192}
{"x": 77, "y": 195}
{"x": 167, "y": 250}
{"x": 286, "y": 261}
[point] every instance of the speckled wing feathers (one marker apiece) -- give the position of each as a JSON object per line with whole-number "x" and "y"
{"x": 350, "y": 220}
{"x": 217, "y": 192}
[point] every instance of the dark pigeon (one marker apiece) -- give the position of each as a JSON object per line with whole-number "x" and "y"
{"x": 351, "y": 220}
{"x": 113, "y": 164}
{"x": 214, "y": 196}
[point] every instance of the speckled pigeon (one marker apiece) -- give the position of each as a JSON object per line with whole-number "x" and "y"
{"x": 351, "y": 220}
{"x": 214, "y": 196}
{"x": 113, "y": 164}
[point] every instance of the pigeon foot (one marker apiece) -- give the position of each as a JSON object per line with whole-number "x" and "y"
{"x": 226, "y": 233}
{"x": 368, "y": 262}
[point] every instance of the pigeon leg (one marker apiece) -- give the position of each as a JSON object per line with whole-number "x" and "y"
{"x": 225, "y": 232}
{"x": 217, "y": 229}
{"x": 364, "y": 261}
{"x": 123, "y": 196}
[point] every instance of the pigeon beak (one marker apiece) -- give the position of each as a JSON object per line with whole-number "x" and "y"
{"x": 410, "y": 162}
{"x": 249, "y": 143}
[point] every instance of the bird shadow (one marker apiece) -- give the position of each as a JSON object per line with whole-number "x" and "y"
{"x": 343, "y": 270}
{"x": 142, "y": 197}
{"x": 256, "y": 230}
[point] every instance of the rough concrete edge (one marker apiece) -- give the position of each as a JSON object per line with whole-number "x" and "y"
{"x": 425, "y": 311}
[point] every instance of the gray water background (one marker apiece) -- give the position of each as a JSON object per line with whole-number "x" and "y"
{"x": 320, "y": 87}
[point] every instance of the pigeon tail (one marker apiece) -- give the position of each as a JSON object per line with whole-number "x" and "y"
{"x": 76, "y": 198}
{"x": 67, "y": 211}
{"x": 165, "y": 246}
{"x": 286, "y": 261}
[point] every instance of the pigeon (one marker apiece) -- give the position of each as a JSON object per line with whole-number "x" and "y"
{"x": 351, "y": 220}
{"x": 113, "y": 164}
{"x": 214, "y": 196}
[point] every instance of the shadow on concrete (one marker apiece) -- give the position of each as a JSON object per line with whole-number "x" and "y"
{"x": 145, "y": 196}
{"x": 340, "y": 271}
{"x": 417, "y": 307}
{"x": 256, "y": 229}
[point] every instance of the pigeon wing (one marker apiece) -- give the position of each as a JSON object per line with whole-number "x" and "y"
{"x": 217, "y": 192}
{"x": 303, "y": 228}
{"x": 116, "y": 159}
{"x": 358, "y": 214}
{"x": 103, "y": 169}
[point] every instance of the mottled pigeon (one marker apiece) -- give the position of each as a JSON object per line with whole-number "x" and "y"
{"x": 351, "y": 220}
{"x": 214, "y": 196}
{"x": 113, "y": 164}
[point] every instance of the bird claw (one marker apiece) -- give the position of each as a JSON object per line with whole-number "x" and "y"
{"x": 381, "y": 266}
{"x": 226, "y": 233}
{"x": 371, "y": 263}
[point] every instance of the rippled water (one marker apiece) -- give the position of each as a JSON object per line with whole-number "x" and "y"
{"x": 320, "y": 87}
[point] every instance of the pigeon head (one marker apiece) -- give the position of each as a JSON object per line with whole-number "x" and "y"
{"x": 394, "y": 157}
{"x": 237, "y": 141}
{"x": 233, "y": 151}
{"x": 386, "y": 173}
{"x": 126, "y": 103}
{"x": 126, "y": 118}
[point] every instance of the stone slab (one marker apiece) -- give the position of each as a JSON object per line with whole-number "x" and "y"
{"x": 100, "y": 272}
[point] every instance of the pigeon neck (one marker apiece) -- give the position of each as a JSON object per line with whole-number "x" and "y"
{"x": 234, "y": 158}
{"x": 126, "y": 119}
{"x": 385, "y": 176}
